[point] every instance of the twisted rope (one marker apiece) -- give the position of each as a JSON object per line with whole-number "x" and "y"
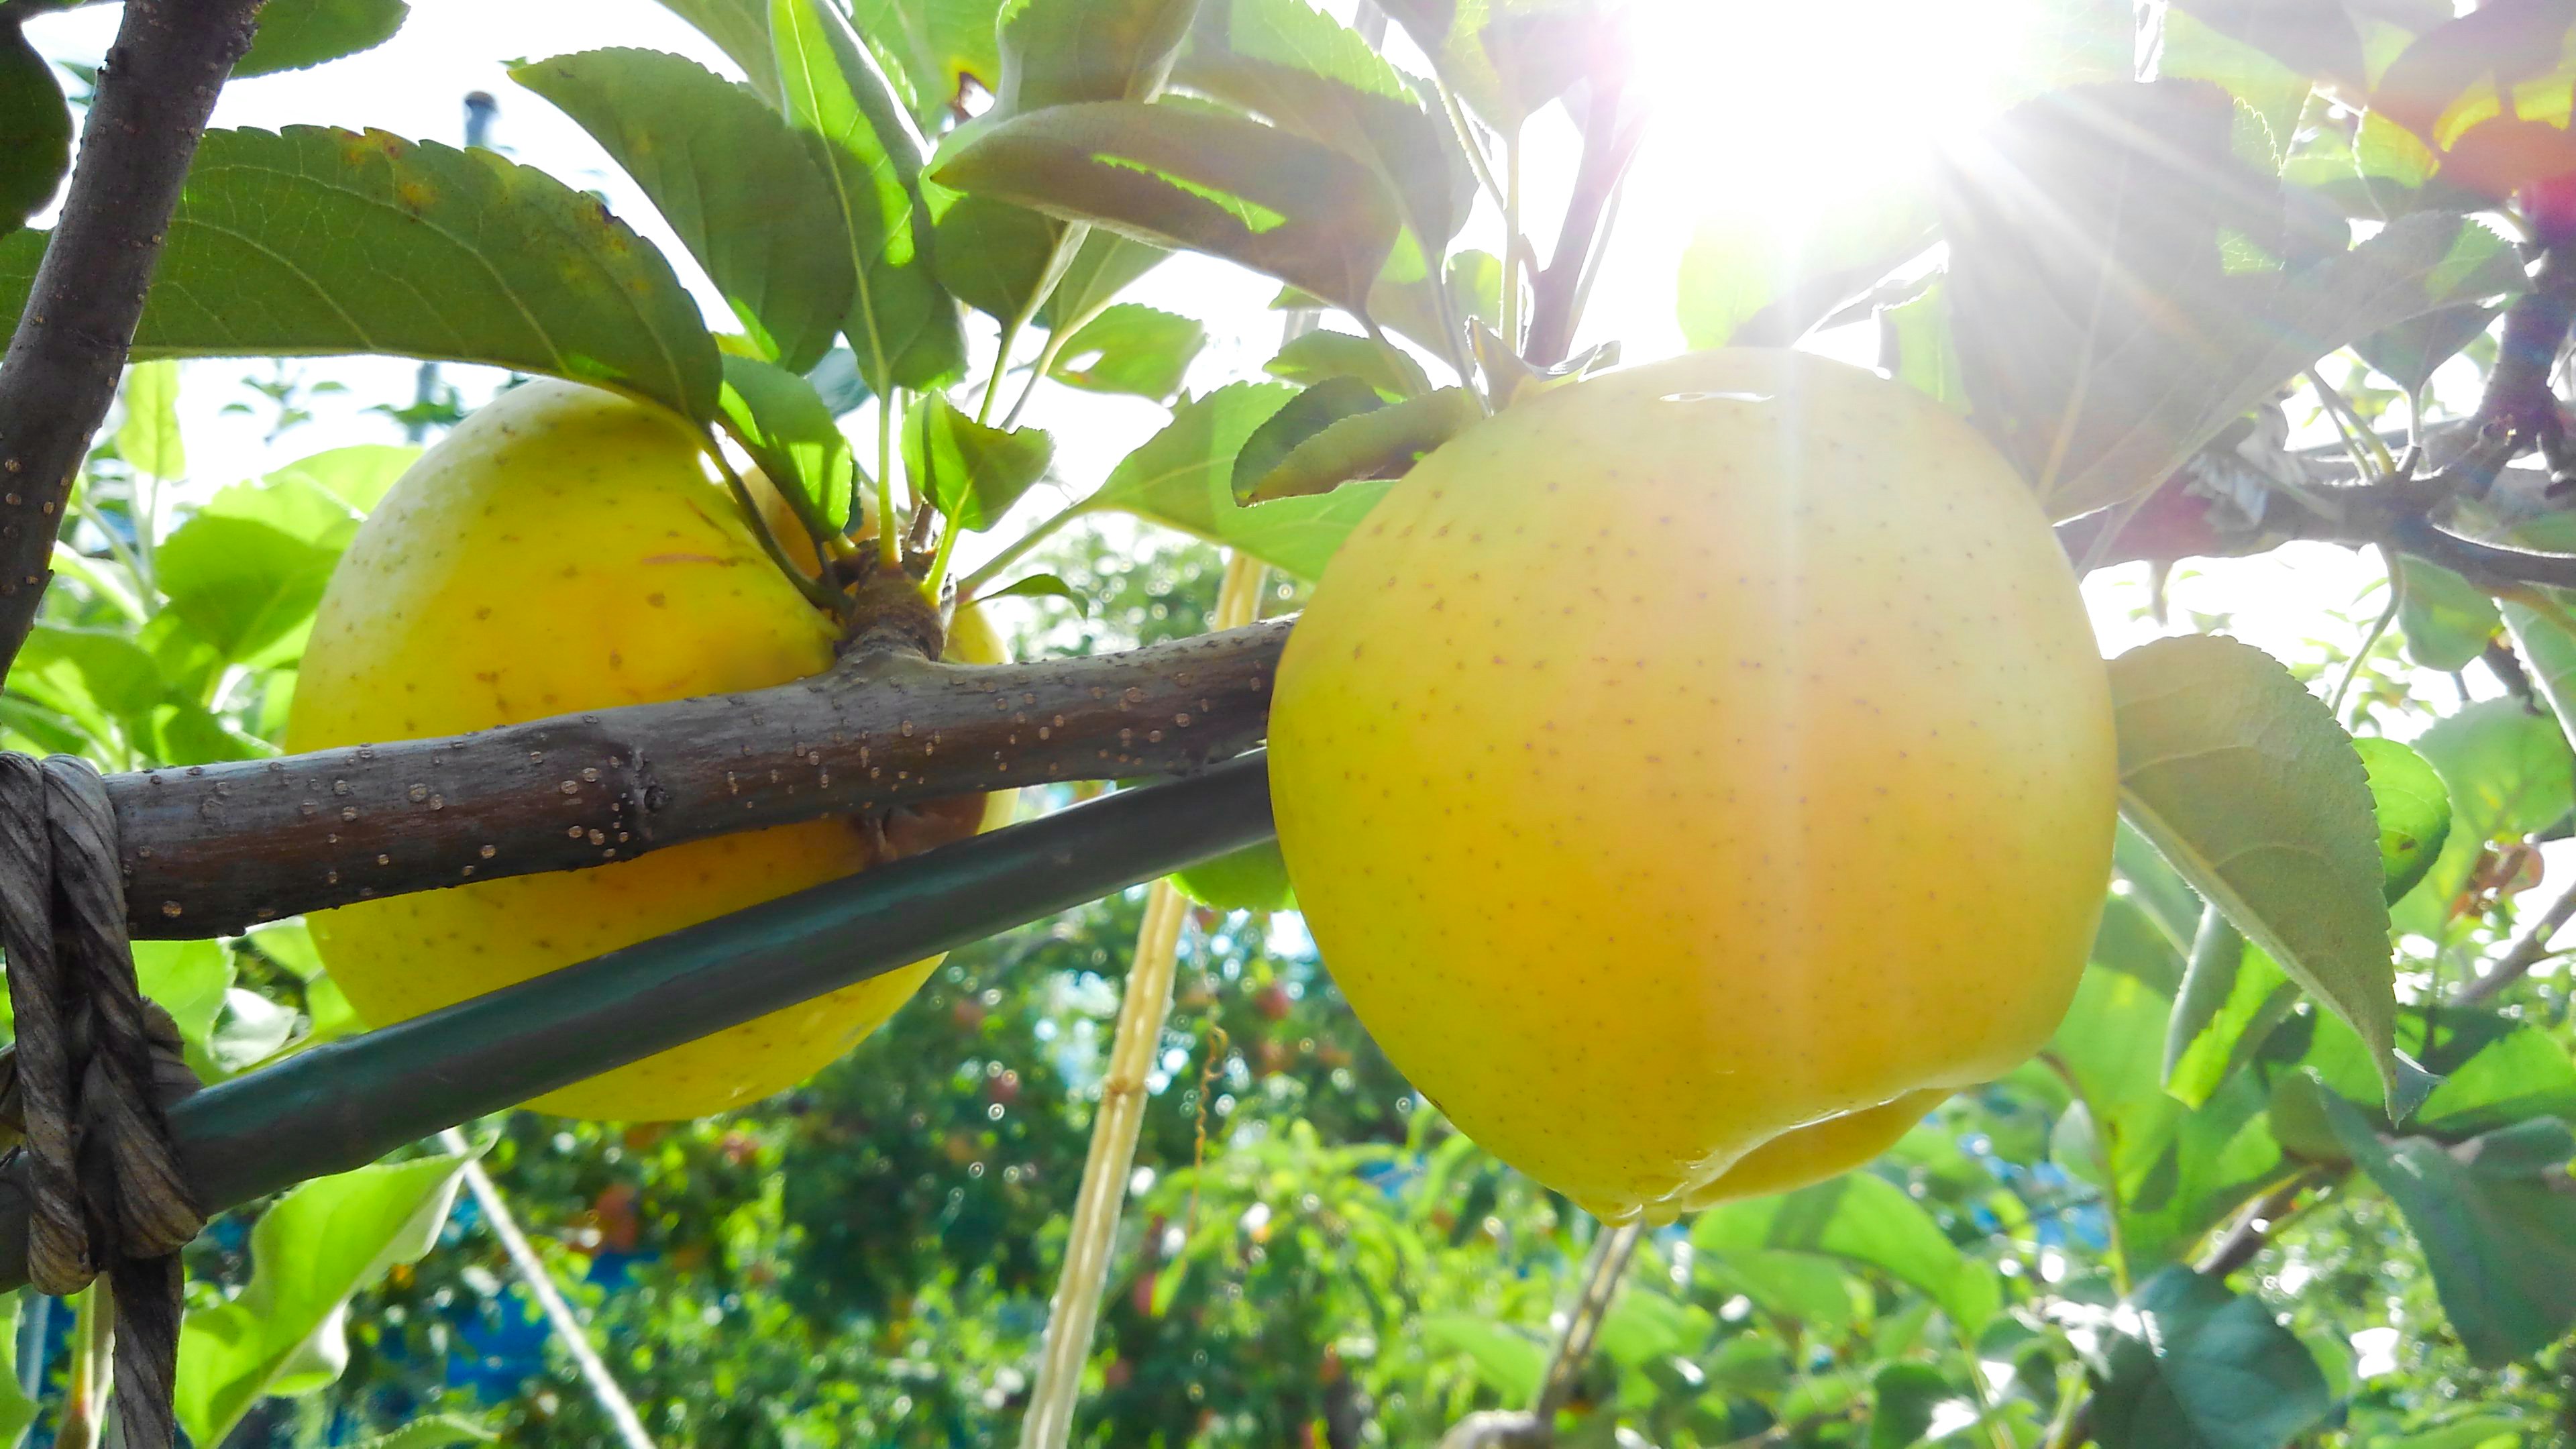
{"x": 87, "y": 1083}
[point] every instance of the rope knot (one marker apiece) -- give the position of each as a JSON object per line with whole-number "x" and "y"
{"x": 86, "y": 1087}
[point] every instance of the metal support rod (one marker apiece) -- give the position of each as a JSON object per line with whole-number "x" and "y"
{"x": 347, "y": 1103}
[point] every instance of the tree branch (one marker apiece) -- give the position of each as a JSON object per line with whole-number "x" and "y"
{"x": 1608, "y": 147}
{"x": 154, "y": 94}
{"x": 2528, "y": 951}
{"x": 212, "y": 849}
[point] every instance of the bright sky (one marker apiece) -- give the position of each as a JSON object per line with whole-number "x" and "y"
{"x": 1766, "y": 107}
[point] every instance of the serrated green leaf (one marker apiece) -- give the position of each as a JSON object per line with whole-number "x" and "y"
{"x": 250, "y": 1030}
{"x": 2500, "y": 1240}
{"x": 2189, "y": 48}
{"x": 1186, "y": 177}
{"x": 294, "y": 34}
{"x": 1864, "y": 1219}
{"x": 1131, "y": 349}
{"x": 903, "y": 327}
{"x": 35, "y": 131}
{"x": 358, "y": 475}
{"x": 751, "y": 196}
{"x": 2446, "y": 620}
{"x": 1384, "y": 442}
{"x": 971, "y": 473}
{"x": 2413, "y": 808}
{"x": 2519, "y": 1074}
{"x": 148, "y": 438}
{"x": 2207, "y": 1369}
{"x": 1311, "y": 357}
{"x": 783, "y": 423}
{"x": 247, "y": 572}
{"x": 314, "y": 242}
{"x": 2410, "y": 352}
{"x": 310, "y": 1252}
{"x": 1065, "y": 52}
{"x": 1302, "y": 69}
{"x": 740, "y": 28}
{"x": 2248, "y": 786}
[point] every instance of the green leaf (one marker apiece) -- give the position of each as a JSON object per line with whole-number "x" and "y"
{"x": 2273, "y": 93}
{"x": 2244, "y": 781}
{"x": 359, "y": 475}
{"x": 1182, "y": 478}
{"x": 314, "y": 242}
{"x": 35, "y": 131}
{"x": 971, "y": 473}
{"x": 294, "y": 34}
{"x": 783, "y": 423}
{"x": 1383, "y": 442}
{"x": 2522, "y": 1073}
{"x": 2207, "y": 1369}
{"x": 1799, "y": 1288}
{"x": 1306, "y": 415}
{"x": 937, "y": 43}
{"x": 1063, "y": 52}
{"x": 993, "y": 256}
{"x": 2447, "y": 621}
{"x": 1508, "y": 1360}
{"x": 190, "y": 980}
{"x": 2483, "y": 1431}
{"x": 1132, "y": 349}
{"x": 2509, "y": 774}
{"x": 1761, "y": 273}
{"x": 2232, "y": 996}
{"x": 1644, "y": 1326}
{"x": 2122, "y": 286}
{"x": 1915, "y": 348}
{"x": 1186, "y": 177}
{"x": 148, "y": 439}
{"x": 2131, "y": 942}
{"x": 2410, "y": 352}
{"x": 1509, "y": 58}
{"x": 2171, "y": 1172}
{"x": 1303, "y": 70}
{"x": 2413, "y": 808}
{"x": 1042, "y": 586}
{"x": 437, "y": 1432}
{"x": 1254, "y": 878}
{"x": 1311, "y": 357}
{"x": 248, "y": 570}
{"x": 750, "y": 196}
{"x": 1864, "y": 1219}
{"x": 310, "y": 1252}
{"x": 903, "y": 327}
{"x": 740, "y": 28}
{"x": 2500, "y": 1240}
{"x": 1904, "y": 1398}
{"x": 251, "y": 1029}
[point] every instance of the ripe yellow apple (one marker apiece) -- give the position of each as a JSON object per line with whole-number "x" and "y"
{"x": 1697, "y": 771}
{"x": 564, "y": 549}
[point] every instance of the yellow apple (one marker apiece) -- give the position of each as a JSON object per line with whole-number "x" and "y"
{"x": 1702, "y": 759}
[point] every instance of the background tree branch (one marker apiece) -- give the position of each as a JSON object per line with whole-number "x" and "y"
{"x": 155, "y": 92}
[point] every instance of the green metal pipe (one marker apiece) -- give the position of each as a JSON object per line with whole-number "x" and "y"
{"x": 349, "y": 1102}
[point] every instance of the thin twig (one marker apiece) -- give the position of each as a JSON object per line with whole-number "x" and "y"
{"x": 59, "y": 374}
{"x": 541, "y": 1284}
{"x": 1556, "y": 309}
{"x": 2529, "y": 950}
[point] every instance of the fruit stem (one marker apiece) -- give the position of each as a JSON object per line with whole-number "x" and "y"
{"x": 966, "y": 588}
{"x": 1512, "y": 242}
{"x": 816, "y": 591}
{"x": 938, "y": 574}
{"x": 1137, "y": 1037}
{"x": 889, "y": 553}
